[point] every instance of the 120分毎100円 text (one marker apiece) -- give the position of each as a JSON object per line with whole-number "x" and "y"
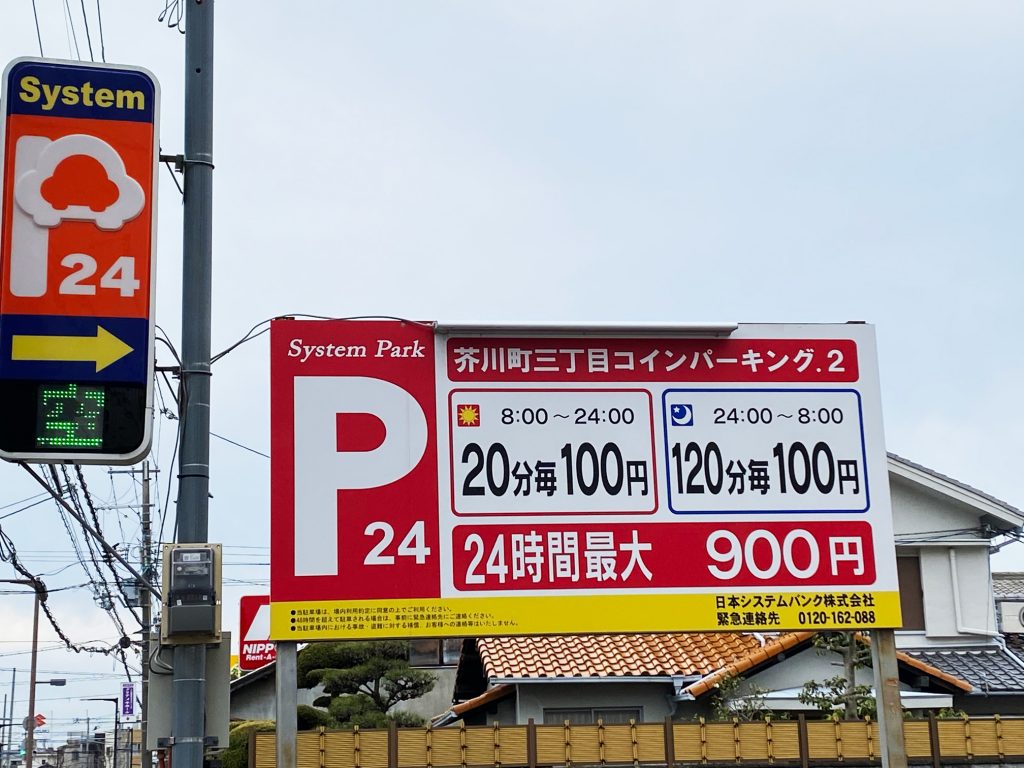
{"x": 794, "y": 468}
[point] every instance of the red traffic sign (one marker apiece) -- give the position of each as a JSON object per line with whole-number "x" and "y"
{"x": 77, "y": 229}
{"x": 256, "y": 650}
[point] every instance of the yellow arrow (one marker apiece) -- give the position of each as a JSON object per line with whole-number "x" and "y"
{"x": 103, "y": 349}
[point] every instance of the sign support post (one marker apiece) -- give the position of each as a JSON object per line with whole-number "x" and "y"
{"x": 887, "y": 688}
{"x": 287, "y": 702}
{"x": 193, "y": 465}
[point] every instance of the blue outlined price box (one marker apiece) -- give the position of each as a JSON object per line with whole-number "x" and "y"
{"x": 764, "y": 451}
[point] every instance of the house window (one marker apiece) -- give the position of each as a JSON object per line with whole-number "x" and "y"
{"x": 435, "y": 652}
{"x": 590, "y": 715}
{"x": 908, "y": 570}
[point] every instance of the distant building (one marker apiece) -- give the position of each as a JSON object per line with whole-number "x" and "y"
{"x": 81, "y": 751}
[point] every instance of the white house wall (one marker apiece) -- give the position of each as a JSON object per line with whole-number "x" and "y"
{"x": 653, "y": 698}
{"x": 800, "y": 668}
{"x": 923, "y": 521}
{"x": 969, "y": 596}
{"x": 918, "y": 511}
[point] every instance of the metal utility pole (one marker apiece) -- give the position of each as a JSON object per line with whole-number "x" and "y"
{"x": 147, "y": 616}
{"x": 194, "y": 463}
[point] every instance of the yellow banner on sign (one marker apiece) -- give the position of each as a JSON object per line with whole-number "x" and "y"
{"x": 585, "y": 614}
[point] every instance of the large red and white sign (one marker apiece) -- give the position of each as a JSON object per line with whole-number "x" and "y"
{"x": 255, "y": 648}
{"x": 432, "y": 483}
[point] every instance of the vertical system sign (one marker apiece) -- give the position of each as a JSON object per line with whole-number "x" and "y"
{"x": 80, "y": 153}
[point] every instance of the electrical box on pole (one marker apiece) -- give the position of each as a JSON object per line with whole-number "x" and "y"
{"x": 192, "y": 594}
{"x": 79, "y": 160}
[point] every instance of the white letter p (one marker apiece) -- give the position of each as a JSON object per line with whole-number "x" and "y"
{"x": 321, "y": 469}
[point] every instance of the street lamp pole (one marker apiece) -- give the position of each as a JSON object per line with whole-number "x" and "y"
{"x": 7, "y": 728}
{"x": 30, "y": 722}
{"x": 30, "y": 741}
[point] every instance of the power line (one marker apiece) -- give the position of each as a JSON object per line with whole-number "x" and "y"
{"x": 251, "y": 450}
{"x": 69, "y": 23}
{"x": 99, "y": 19}
{"x": 174, "y": 14}
{"x": 39, "y": 35}
{"x": 88, "y": 37}
{"x": 44, "y": 494}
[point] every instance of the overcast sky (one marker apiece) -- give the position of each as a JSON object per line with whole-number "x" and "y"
{"x": 575, "y": 161}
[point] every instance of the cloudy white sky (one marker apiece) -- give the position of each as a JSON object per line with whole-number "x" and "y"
{"x": 575, "y": 161}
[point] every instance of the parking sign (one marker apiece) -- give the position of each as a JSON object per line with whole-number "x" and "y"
{"x": 430, "y": 481}
{"x": 76, "y": 262}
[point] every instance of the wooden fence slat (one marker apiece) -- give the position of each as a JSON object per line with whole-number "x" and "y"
{"x": 804, "y": 748}
{"x": 670, "y": 744}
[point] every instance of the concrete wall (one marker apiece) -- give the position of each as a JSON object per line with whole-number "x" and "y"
{"x": 439, "y": 700}
{"x": 256, "y": 701}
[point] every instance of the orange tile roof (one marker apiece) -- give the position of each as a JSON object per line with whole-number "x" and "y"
{"x": 772, "y": 648}
{"x": 710, "y": 655}
{"x": 690, "y": 654}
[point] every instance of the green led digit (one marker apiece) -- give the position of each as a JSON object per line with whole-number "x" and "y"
{"x": 70, "y": 416}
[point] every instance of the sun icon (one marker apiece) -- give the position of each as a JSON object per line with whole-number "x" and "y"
{"x": 469, "y": 415}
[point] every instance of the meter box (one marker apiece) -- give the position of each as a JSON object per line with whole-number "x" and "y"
{"x": 192, "y": 592}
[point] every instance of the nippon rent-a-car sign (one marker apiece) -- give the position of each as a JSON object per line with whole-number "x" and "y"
{"x": 254, "y": 647}
{"x": 432, "y": 481}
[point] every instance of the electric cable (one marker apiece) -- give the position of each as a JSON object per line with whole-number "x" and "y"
{"x": 251, "y": 334}
{"x": 174, "y": 455}
{"x": 88, "y": 37}
{"x": 39, "y": 35}
{"x": 103, "y": 45}
{"x": 107, "y": 558}
{"x": 69, "y": 24}
{"x": 22, "y": 509}
{"x": 245, "y": 447}
{"x": 71, "y": 534}
{"x": 174, "y": 14}
{"x": 9, "y": 555}
{"x": 44, "y": 494}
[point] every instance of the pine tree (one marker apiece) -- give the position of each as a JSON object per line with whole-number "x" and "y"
{"x": 363, "y": 680}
